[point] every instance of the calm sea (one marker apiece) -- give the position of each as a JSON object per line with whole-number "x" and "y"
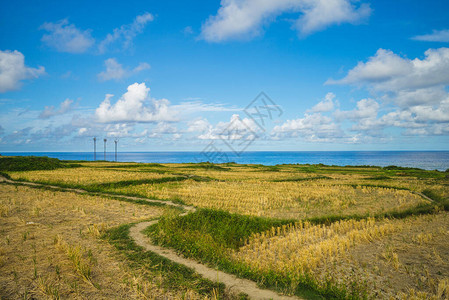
{"x": 429, "y": 160}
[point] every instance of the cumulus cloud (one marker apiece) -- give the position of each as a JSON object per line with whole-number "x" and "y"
{"x": 320, "y": 14}
{"x": 387, "y": 71}
{"x": 327, "y": 104}
{"x": 365, "y": 108}
{"x": 236, "y": 129}
{"x": 126, "y": 33}
{"x": 135, "y": 106}
{"x": 312, "y": 127}
{"x": 50, "y": 111}
{"x": 244, "y": 19}
{"x": 18, "y": 137}
{"x": 435, "y": 36}
{"x": 416, "y": 89}
{"x": 65, "y": 37}
{"x": 13, "y": 70}
{"x": 115, "y": 71}
{"x": 163, "y": 128}
{"x": 199, "y": 125}
{"x": 119, "y": 130}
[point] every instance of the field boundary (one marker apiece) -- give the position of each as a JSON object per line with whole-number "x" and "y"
{"x": 234, "y": 284}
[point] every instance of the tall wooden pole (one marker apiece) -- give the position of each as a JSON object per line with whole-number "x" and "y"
{"x": 95, "y": 148}
{"x": 105, "y": 140}
{"x": 115, "y": 150}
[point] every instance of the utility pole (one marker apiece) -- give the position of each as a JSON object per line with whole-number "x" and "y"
{"x": 115, "y": 149}
{"x": 105, "y": 140}
{"x": 95, "y": 148}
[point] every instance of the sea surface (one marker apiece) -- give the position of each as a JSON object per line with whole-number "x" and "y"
{"x": 429, "y": 160}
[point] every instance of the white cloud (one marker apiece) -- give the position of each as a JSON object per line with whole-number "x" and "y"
{"x": 243, "y": 19}
{"x": 327, "y": 104}
{"x": 380, "y": 68}
{"x": 118, "y": 130}
{"x": 115, "y": 71}
{"x": 82, "y": 131}
{"x": 236, "y": 129}
{"x": 366, "y": 108}
{"x": 389, "y": 72}
{"x": 415, "y": 89}
{"x": 199, "y": 125}
{"x": 191, "y": 107}
{"x": 163, "y": 128}
{"x": 427, "y": 113}
{"x": 318, "y": 15}
{"x": 141, "y": 67}
{"x": 126, "y": 33}
{"x": 435, "y": 36}
{"x": 313, "y": 127}
{"x": 50, "y": 111}
{"x": 13, "y": 70}
{"x": 135, "y": 106}
{"x": 65, "y": 37}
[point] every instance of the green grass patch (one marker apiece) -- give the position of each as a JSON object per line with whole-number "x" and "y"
{"x": 383, "y": 186}
{"x": 206, "y": 166}
{"x": 208, "y": 236}
{"x": 125, "y": 183}
{"x": 293, "y": 179}
{"x": 32, "y": 163}
{"x": 223, "y": 228}
{"x": 435, "y": 196}
{"x": 269, "y": 168}
{"x": 378, "y": 177}
{"x": 174, "y": 276}
{"x": 101, "y": 194}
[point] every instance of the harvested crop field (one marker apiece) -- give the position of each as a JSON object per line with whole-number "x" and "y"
{"x": 304, "y": 231}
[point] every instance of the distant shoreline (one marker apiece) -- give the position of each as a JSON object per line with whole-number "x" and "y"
{"x": 428, "y": 160}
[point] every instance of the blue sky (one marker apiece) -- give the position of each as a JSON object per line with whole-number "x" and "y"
{"x": 341, "y": 75}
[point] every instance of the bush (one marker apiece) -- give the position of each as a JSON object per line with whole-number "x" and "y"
{"x": 31, "y": 163}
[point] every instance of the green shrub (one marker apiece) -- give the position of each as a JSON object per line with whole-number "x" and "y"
{"x": 31, "y": 163}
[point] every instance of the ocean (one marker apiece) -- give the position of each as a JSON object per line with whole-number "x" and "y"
{"x": 429, "y": 160}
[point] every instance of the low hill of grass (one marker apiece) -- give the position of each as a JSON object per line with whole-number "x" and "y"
{"x": 31, "y": 163}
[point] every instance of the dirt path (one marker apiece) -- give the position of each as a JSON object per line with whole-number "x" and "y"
{"x": 234, "y": 284}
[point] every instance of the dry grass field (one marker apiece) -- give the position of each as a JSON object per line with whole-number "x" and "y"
{"x": 50, "y": 247}
{"x": 311, "y": 230}
{"x": 286, "y": 192}
{"x": 387, "y": 259}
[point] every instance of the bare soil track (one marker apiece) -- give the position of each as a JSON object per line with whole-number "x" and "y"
{"x": 234, "y": 284}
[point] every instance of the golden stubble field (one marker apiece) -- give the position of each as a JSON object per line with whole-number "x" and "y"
{"x": 405, "y": 259}
{"x": 289, "y": 193}
{"x": 50, "y": 247}
{"x": 51, "y": 239}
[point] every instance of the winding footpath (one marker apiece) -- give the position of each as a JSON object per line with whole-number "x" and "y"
{"x": 233, "y": 284}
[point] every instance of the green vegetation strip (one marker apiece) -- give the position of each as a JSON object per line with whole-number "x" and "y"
{"x": 294, "y": 179}
{"x": 31, "y": 163}
{"x": 206, "y": 166}
{"x": 208, "y": 236}
{"x": 118, "y": 197}
{"x": 174, "y": 276}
